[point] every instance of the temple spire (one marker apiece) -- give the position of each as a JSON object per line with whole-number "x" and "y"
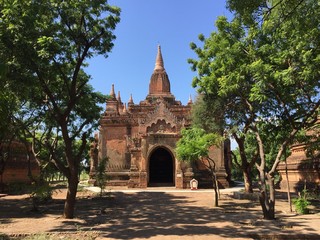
{"x": 118, "y": 97}
{"x": 190, "y": 100}
{"x": 130, "y": 100}
{"x": 112, "y": 94}
{"x": 159, "y": 85}
{"x": 159, "y": 60}
{"x": 124, "y": 108}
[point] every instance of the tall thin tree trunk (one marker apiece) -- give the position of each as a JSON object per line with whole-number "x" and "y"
{"x": 216, "y": 190}
{"x": 70, "y": 202}
{"x": 288, "y": 185}
{"x": 247, "y": 181}
{"x": 1, "y": 182}
{"x": 267, "y": 199}
{"x": 272, "y": 198}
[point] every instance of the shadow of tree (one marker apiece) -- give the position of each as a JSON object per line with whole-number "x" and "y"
{"x": 14, "y": 208}
{"x": 150, "y": 214}
{"x": 4, "y": 237}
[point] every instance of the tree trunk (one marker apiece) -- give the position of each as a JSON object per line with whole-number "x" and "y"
{"x": 245, "y": 166}
{"x": 288, "y": 185}
{"x": 267, "y": 201}
{"x": 70, "y": 202}
{"x": 272, "y": 199}
{"x": 1, "y": 183}
{"x": 216, "y": 190}
{"x": 247, "y": 180}
{"x": 215, "y": 198}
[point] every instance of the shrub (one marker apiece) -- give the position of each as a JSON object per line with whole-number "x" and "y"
{"x": 301, "y": 203}
{"x": 41, "y": 193}
{"x": 101, "y": 176}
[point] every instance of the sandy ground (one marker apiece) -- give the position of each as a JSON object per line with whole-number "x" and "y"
{"x": 154, "y": 214}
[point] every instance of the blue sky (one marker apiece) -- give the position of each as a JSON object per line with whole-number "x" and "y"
{"x": 144, "y": 24}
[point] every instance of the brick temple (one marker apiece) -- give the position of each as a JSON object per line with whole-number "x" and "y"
{"x": 140, "y": 139}
{"x": 16, "y": 165}
{"x": 302, "y": 167}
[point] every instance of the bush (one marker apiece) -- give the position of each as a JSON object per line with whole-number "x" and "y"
{"x": 101, "y": 175}
{"x": 41, "y": 193}
{"x": 301, "y": 203}
{"x": 84, "y": 176}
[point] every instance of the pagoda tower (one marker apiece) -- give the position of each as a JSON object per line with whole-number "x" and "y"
{"x": 139, "y": 140}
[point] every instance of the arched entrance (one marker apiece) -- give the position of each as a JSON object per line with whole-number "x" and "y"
{"x": 161, "y": 168}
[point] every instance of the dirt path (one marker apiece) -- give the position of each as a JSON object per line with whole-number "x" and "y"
{"x": 155, "y": 215}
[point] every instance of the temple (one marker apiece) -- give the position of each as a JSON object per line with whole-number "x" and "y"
{"x": 302, "y": 167}
{"x": 139, "y": 140}
{"x": 16, "y": 165}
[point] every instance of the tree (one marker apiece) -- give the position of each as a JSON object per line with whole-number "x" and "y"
{"x": 194, "y": 145}
{"x": 207, "y": 113}
{"x": 245, "y": 157}
{"x": 46, "y": 44}
{"x": 230, "y": 58}
{"x": 8, "y": 106}
{"x": 266, "y": 69}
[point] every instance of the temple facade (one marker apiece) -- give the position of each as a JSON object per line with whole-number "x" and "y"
{"x": 302, "y": 167}
{"x": 139, "y": 140}
{"x": 16, "y": 165}
{"x": 301, "y": 170}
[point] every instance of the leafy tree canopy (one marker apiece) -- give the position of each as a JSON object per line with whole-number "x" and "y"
{"x": 45, "y": 46}
{"x": 207, "y": 114}
{"x": 195, "y": 144}
{"x": 265, "y": 68}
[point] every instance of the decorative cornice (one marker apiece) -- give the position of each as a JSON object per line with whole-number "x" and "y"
{"x": 112, "y": 93}
{"x": 161, "y": 112}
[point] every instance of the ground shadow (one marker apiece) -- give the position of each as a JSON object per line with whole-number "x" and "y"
{"x": 149, "y": 214}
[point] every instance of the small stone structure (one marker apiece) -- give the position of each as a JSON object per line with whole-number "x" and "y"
{"x": 303, "y": 165}
{"x": 15, "y": 163}
{"x": 301, "y": 170}
{"x": 140, "y": 139}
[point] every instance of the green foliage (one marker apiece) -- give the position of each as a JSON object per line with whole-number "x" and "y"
{"x": 101, "y": 175}
{"x": 207, "y": 114}
{"x": 42, "y": 192}
{"x": 84, "y": 176}
{"x": 272, "y": 134}
{"x": 301, "y": 203}
{"x": 264, "y": 73}
{"x": 264, "y": 66}
{"x": 251, "y": 10}
{"x": 237, "y": 171}
{"x": 46, "y": 45}
{"x": 9, "y": 105}
{"x": 194, "y": 144}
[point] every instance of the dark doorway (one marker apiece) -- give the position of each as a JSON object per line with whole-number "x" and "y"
{"x": 161, "y": 168}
